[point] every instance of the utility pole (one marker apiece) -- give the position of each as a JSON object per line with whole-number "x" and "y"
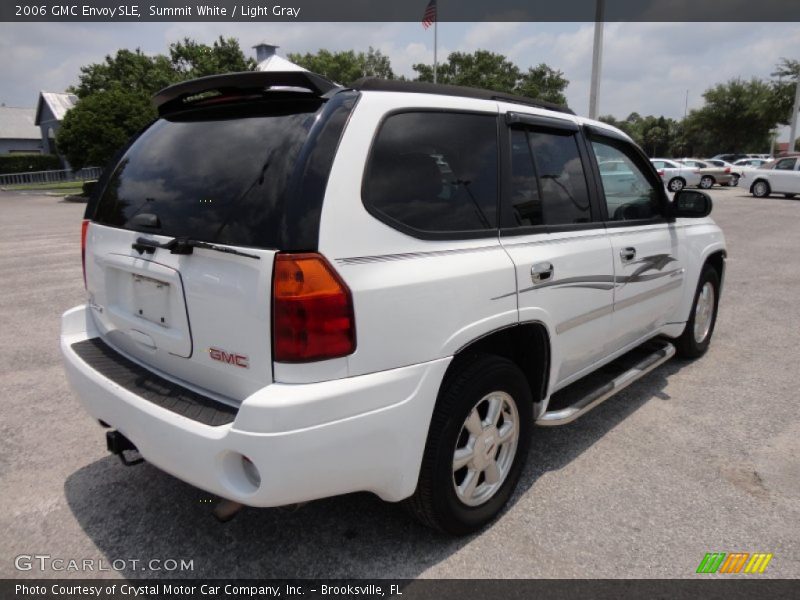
{"x": 686, "y": 106}
{"x": 597, "y": 59}
{"x": 795, "y": 110}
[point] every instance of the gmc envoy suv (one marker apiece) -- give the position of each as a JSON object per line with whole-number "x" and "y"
{"x": 297, "y": 290}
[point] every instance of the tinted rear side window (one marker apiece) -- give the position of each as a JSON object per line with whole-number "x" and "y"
{"x": 216, "y": 174}
{"x": 434, "y": 172}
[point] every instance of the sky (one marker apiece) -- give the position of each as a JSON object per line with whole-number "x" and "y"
{"x": 647, "y": 67}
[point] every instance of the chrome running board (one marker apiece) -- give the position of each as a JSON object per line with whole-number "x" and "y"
{"x": 603, "y": 393}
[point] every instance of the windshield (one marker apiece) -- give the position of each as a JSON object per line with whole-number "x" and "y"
{"x": 217, "y": 174}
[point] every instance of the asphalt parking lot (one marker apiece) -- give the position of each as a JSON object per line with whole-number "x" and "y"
{"x": 696, "y": 457}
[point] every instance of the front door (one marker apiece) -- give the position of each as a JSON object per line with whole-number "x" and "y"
{"x": 648, "y": 264}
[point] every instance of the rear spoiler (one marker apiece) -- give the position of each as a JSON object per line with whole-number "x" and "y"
{"x": 178, "y": 95}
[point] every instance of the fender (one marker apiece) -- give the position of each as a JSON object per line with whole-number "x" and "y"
{"x": 699, "y": 249}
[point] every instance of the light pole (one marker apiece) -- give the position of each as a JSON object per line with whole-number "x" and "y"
{"x": 795, "y": 110}
{"x": 597, "y": 60}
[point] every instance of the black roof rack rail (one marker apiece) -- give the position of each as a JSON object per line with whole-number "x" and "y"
{"x": 374, "y": 84}
{"x": 174, "y": 96}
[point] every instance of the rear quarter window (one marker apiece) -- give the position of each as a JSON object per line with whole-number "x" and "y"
{"x": 434, "y": 173}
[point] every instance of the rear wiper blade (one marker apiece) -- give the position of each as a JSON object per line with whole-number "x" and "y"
{"x": 182, "y": 245}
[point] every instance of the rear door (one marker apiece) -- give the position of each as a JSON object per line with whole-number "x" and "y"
{"x": 557, "y": 241}
{"x": 219, "y": 175}
{"x": 648, "y": 262}
{"x": 784, "y": 178}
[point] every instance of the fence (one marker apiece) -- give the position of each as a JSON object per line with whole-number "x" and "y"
{"x": 62, "y": 176}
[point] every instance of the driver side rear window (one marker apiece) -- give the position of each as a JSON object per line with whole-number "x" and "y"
{"x": 548, "y": 185}
{"x": 434, "y": 172}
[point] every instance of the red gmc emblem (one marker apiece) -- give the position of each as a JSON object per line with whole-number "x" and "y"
{"x": 238, "y": 360}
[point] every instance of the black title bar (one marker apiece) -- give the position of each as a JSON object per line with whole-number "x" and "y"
{"x": 401, "y": 10}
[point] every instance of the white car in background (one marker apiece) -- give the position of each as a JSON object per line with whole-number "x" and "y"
{"x": 781, "y": 177}
{"x": 750, "y": 163}
{"x": 675, "y": 175}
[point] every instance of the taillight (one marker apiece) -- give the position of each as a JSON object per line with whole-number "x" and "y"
{"x": 84, "y": 229}
{"x": 661, "y": 173}
{"x": 727, "y": 169}
{"x": 312, "y": 310}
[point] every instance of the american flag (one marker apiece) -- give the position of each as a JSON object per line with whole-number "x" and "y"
{"x": 429, "y": 18}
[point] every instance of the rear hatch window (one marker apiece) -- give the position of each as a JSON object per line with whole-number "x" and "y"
{"x": 216, "y": 174}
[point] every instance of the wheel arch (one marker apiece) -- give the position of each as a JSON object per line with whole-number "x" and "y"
{"x": 717, "y": 260}
{"x": 525, "y": 344}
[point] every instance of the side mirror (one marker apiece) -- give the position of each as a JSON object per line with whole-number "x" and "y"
{"x": 692, "y": 204}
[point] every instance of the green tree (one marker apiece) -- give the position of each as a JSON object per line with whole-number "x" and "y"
{"x": 345, "y": 67}
{"x": 656, "y": 135}
{"x": 100, "y": 124}
{"x": 737, "y": 117}
{"x": 121, "y": 86}
{"x": 190, "y": 59}
{"x": 492, "y": 71}
{"x": 654, "y": 139}
{"x": 545, "y": 83}
{"x": 132, "y": 71}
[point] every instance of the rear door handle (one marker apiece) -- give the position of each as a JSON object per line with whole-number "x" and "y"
{"x": 541, "y": 272}
{"x": 627, "y": 254}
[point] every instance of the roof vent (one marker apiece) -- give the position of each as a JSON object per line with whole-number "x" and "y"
{"x": 264, "y": 51}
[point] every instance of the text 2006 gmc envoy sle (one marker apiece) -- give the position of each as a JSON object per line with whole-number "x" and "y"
{"x": 297, "y": 290}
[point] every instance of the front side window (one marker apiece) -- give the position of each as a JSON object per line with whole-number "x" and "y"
{"x": 629, "y": 193}
{"x": 435, "y": 172}
{"x": 787, "y": 164}
{"x": 548, "y": 185}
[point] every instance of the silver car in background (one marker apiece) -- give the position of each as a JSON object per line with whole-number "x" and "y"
{"x": 710, "y": 174}
{"x": 736, "y": 172}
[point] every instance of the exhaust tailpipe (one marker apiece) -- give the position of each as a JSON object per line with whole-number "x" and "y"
{"x": 118, "y": 444}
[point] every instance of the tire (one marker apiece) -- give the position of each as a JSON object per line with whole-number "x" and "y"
{"x": 789, "y": 196}
{"x": 706, "y": 182}
{"x": 760, "y": 189}
{"x": 676, "y": 184}
{"x": 696, "y": 337}
{"x": 477, "y": 383}
{"x": 734, "y": 181}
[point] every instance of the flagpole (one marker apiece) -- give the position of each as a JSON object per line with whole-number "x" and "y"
{"x": 435, "y": 41}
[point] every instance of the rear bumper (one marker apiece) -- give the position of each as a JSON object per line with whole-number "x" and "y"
{"x": 307, "y": 441}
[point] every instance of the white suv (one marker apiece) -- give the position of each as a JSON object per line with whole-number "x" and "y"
{"x": 297, "y": 290}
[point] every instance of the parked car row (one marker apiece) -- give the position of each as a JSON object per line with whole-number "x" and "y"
{"x": 763, "y": 175}
{"x": 679, "y": 173}
{"x": 735, "y": 157}
{"x": 676, "y": 175}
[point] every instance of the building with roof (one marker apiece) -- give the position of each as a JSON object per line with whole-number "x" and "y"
{"x": 268, "y": 59}
{"x": 18, "y": 131}
{"x": 50, "y": 112}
